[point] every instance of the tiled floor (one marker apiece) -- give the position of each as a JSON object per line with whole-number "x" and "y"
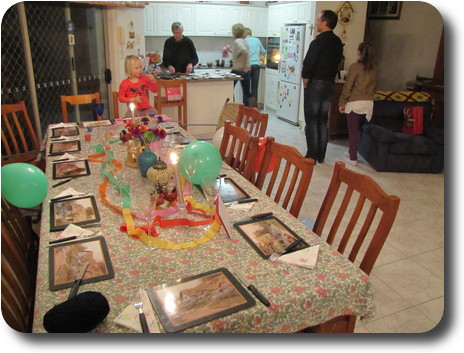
{"x": 408, "y": 277}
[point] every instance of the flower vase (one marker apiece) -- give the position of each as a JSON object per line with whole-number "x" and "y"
{"x": 146, "y": 160}
{"x": 133, "y": 152}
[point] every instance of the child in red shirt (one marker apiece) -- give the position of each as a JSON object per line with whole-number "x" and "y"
{"x": 134, "y": 89}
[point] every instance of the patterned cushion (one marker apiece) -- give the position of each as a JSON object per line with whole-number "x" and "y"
{"x": 402, "y": 96}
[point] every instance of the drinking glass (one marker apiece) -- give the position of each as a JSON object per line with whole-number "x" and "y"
{"x": 211, "y": 188}
{"x": 149, "y": 209}
{"x": 190, "y": 167}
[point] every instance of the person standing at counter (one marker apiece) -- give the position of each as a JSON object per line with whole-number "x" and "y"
{"x": 134, "y": 89}
{"x": 179, "y": 53}
{"x": 256, "y": 49}
{"x": 320, "y": 66}
{"x": 241, "y": 60}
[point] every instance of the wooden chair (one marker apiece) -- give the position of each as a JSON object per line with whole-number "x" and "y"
{"x": 78, "y": 100}
{"x": 229, "y": 112}
{"x": 116, "y": 104}
{"x": 19, "y": 139}
{"x": 358, "y": 203}
{"x": 252, "y": 120}
{"x": 161, "y": 101}
{"x": 366, "y": 189}
{"x": 238, "y": 149}
{"x": 19, "y": 268}
{"x": 289, "y": 178}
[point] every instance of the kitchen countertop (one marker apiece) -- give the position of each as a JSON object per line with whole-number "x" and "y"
{"x": 208, "y": 75}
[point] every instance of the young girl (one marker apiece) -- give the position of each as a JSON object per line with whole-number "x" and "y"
{"x": 134, "y": 89}
{"x": 357, "y": 97}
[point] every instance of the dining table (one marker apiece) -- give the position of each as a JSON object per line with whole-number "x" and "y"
{"x": 299, "y": 297}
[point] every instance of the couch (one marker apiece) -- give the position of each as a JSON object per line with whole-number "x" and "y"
{"x": 388, "y": 149}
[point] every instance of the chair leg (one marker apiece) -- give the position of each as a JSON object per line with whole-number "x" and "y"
{"x": 339, "y": 324}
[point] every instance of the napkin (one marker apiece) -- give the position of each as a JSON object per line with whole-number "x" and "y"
{"x": 129, "y": 317}
{"x": 96, "y": 123}
{"x": 304, "y": 258}
{"x": 73, "y": 230}
{"x": 243, "y": 206}
{"x": 69, "y": 191}
{"x": 62, "y": 125}
{"x": 68, "y": 156}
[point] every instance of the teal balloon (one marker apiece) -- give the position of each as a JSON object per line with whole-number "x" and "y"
{"x": 206, "y": 157}
{"x": 24, "y": 185}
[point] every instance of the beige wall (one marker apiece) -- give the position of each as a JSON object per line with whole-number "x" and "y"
{"x": 116, "y": 44}
{"x": 354, "y": 30}
{"x": 406, "y": 47}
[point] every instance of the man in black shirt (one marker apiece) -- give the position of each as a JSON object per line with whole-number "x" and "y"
{"x": 179, "y": 53}
{"x": 320, "y": 67}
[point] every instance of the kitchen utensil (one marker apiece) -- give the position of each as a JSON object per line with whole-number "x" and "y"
{"x": 292, "y": 246}
{"x": 78, "y": 280}
{"x": 252, "y": 288}
{"x": 143, "y": 320}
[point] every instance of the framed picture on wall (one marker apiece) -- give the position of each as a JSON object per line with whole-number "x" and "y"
{"x": 384, "y": 10}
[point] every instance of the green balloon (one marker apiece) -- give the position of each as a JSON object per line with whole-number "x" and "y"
{"x": 24, "y": 185}
{"x": 205, "y": 156}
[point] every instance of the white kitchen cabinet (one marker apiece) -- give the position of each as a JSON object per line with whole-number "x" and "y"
{"x": 203, "y": 19}
{"x": 275, "y": 20}
{"x": 149, "y": 12}
{"x": 272, "y": 89}
{"x": 160, "y": 16}
{"x": 256, "y": 19}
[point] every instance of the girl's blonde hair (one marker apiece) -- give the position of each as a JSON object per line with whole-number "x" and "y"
{"x": 129, "y": 64}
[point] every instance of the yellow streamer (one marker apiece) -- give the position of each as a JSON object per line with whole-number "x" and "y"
{"x": 155, "y": 242}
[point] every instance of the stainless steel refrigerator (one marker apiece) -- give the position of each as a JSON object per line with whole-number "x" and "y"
{"x": 290, "y": 66}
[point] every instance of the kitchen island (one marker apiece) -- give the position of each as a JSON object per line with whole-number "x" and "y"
{"x": 207, "y": 91}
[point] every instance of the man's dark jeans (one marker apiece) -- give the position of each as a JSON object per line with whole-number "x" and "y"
{"x": 317, "y": 100}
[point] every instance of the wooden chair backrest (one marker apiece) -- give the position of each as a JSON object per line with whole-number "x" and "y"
{"x": 238, "y": 149}
{"x": 252, "y": 120}
{"x": 19, "y": 139}
{"x": 161, "y": 101}
{"x": 116, "y": 104}
{"x": 229, "y": 112}
{"x": 19, "y": 268}
{"x": 350, "y": 198}
{"x": 78, "y": 100}
{"x": 289, "y": 179}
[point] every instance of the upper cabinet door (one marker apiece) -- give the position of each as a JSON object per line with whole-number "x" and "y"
{"x": 164, "y": 17}
{"x": 205, "y": 20}
{"x": 185, "y": 15}
{"x": 150, "y": 15}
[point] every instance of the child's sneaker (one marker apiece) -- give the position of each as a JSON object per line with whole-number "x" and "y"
{"x": 350, "y": 161}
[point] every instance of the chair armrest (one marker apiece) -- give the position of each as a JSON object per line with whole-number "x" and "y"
{"x": 380, "y": 133}
{"x": 436, "y": 133}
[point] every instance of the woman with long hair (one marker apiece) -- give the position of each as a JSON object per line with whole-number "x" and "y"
{"x": 357, "y": 97}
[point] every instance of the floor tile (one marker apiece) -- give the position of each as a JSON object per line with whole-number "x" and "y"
{"x": 410, "y": 280}
{"x": 406, "y": 321}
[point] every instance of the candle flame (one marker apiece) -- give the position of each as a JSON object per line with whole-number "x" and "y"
{"x": 173, "y": 157}
{"x": 132, "y": 107}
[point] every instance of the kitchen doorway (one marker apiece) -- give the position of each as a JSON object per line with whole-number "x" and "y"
{"x": 51, "y": 49}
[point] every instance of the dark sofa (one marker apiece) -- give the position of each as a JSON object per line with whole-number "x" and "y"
{"x": 388, "y": 149}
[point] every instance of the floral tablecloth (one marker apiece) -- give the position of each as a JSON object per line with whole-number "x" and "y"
{"x": 299, "y": 297}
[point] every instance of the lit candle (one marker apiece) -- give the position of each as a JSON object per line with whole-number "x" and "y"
{"x": 180, "y": 194}
{"x": 132, "y": 108}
